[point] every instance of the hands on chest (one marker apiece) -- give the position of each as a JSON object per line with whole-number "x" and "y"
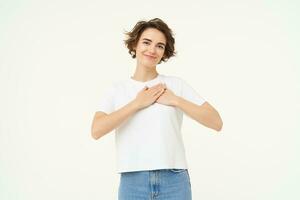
{"x": 158, "y": 93}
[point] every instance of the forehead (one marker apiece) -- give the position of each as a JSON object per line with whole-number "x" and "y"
{"x": 154, "y": 35}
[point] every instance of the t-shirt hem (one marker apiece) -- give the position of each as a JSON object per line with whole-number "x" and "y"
{"x": 149, "y": 169}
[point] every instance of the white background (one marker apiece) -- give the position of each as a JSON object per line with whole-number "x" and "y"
{"x": 57, "y": 57}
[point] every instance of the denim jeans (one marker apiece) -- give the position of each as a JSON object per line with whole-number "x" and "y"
{"x": 162, "y": 184}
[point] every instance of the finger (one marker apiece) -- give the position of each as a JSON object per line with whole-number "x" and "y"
{"x": 144, "y": 88}
{"x": 154, "y": 93}
{"x": 159, "y": 92}
{"x": 164, "y": 86}
{"x": 153, "y": 90}
{"x": 159, "y": 95}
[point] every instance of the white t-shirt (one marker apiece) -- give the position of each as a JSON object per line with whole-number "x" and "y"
{"x": 151, "y": 138}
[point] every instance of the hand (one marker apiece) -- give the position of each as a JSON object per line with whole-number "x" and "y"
{"x": 167, "y": 98}
{"x": 148, "y": 96}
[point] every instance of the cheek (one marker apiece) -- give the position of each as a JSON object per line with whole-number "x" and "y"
{"x": 162, "y": 53}
{"x": 142, "y": 49}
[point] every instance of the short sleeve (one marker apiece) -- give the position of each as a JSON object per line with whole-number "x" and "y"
{"x": 188, "y": 93}
{"x": 106, "y": 103}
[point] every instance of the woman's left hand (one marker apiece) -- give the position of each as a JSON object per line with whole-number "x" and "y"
{"x": 167, "y": 98}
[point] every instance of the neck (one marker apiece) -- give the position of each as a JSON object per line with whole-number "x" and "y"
{"x": 144, "y": 73}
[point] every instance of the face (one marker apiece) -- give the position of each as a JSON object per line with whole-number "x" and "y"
{"x": 150, "y": 47}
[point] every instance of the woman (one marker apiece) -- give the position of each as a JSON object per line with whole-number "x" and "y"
{"x": 146, "y": 110}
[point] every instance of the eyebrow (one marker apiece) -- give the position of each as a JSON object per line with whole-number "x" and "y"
{"x": 151, "y": 41}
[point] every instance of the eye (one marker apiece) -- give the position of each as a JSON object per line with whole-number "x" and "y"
{"x": 162, "y": 47}
{"x": 145, "y": 42}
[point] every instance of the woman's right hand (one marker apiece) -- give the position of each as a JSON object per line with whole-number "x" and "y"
{"x": 148, "y": 96}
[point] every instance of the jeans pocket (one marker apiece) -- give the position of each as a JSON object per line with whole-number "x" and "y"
{"x": 177, "y": 170}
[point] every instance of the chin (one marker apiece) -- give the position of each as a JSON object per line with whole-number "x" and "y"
{"x": 149, "y": 64}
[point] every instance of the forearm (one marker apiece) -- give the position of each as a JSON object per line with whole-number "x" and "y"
{"x": 105, "y": 124}
{"x": 204, "y": 114}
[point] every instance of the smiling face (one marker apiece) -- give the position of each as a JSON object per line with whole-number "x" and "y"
{"x": 150, "y": 47}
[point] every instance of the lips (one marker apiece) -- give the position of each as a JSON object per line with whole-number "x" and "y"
{"x": 152, "y": 57}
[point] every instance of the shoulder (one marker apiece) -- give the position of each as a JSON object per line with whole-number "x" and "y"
{"x": 111, "y": 88}
{"x": 119, "y": 87}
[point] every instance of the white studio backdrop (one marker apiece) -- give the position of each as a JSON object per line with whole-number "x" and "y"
{"x": 57, "y": 57}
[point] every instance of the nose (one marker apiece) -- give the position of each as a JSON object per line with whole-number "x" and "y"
{"x": 152, "y": 49}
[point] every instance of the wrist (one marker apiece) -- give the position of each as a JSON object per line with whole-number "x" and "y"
{"x": 135, "y": 105}
{"x": 176, "y": 101}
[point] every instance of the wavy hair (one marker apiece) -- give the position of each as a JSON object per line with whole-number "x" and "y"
{"x": 133, "y": 37}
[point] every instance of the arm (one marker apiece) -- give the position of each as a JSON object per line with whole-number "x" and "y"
{"x": 204, "y": 114}
{"x": 105, "y": 123}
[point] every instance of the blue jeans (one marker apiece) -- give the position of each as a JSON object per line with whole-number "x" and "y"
{"x": 163, "y": 184}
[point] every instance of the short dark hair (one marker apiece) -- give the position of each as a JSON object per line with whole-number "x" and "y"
{"x": 141, "y": 26}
